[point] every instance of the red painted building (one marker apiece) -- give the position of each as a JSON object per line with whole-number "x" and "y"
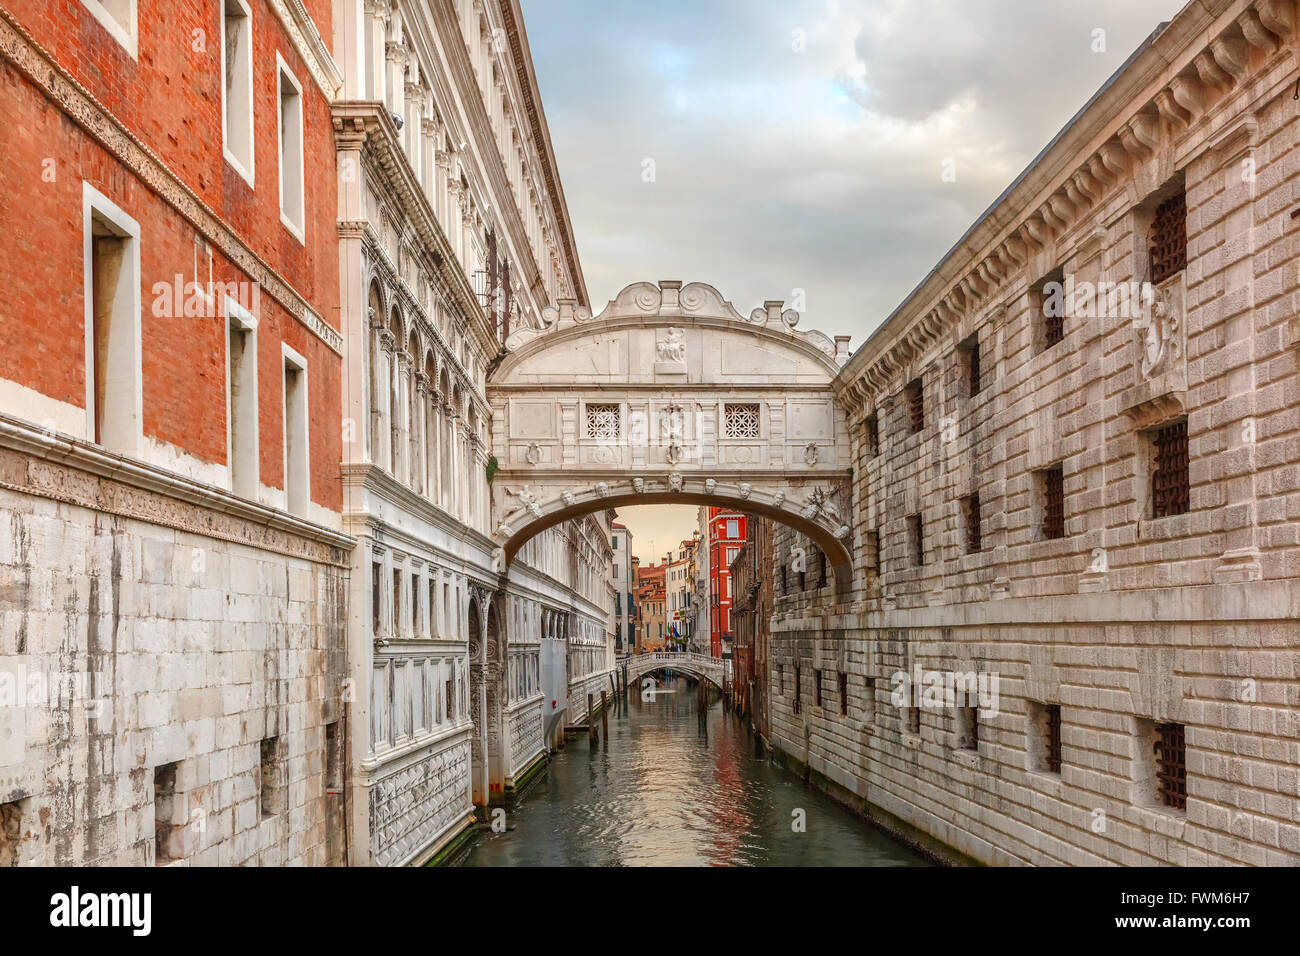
{"x": 726, "y": 537}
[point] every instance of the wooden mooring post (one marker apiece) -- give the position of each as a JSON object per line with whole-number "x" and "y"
{"x": 593, "y": 736}
{"x": 604, "y": 720}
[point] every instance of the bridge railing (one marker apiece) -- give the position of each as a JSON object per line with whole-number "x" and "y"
{"x": 668, "y": 658}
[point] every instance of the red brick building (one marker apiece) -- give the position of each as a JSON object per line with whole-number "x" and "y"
{"x": 726, "y": 536}
{"x": 169, "y": 405}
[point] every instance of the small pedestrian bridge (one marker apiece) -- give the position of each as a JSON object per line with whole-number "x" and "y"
{"x": 699, "y": 666}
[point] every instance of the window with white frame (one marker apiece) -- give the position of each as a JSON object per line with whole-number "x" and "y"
{"x": 292, "y": 190}
{"x": 241, "y": 400}
{"x": 114, "y": 397}
{"x": 119, "y": 18}
{"x": 297, "y": 481}
{"x": 741, "y": 420}
{"x": 237, "y": 86}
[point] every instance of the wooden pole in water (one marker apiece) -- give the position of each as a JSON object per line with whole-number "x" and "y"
{"x": 591, "y": 720}
{"x": 604, "y": 719}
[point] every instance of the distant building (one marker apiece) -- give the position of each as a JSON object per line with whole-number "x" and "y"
{"x": 751, "y": 615}
{"x": 680, "y": 595}
{"x": 650, "y": 607}
{"x": 726, "y": 534}
{"x": 623, "y": 578}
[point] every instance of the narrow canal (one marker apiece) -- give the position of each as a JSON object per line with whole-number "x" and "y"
{"x": 670, "y": 792}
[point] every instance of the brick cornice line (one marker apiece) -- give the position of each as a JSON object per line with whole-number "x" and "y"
{"x": 59, "y": 86}
{"x": 68, "y": 470}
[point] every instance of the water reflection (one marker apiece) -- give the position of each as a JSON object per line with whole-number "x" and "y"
{"x": 671, "y": 790}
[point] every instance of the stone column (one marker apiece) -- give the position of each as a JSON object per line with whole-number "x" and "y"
{"x": 401, "y": 412}
{"x": 377, "y": 13}
{"x": 355, "y": 322}
{"x": 419, "y": 458}
{"x": 350, "y": 29}
{"x": 383, "y": 441}
{"x": 395, "y": 88}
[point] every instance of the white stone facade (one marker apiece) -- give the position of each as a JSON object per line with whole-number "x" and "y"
{"x": 450, "y": 237}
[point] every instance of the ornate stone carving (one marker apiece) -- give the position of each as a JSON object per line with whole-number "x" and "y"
{"x": 779, "y": 499}
{"x": 638, "y": 485}
{"x": 602, "y": 489}
{"x": 527, "y": 499}
{"x": 568, "y": 499}
{"x": 1161, "y": 339}
{"x": 671, "y": 351}
{"x": 710, "y": 486}
{"x": 675, "y": 482}
{"x": 843, "y": 532}
{"x": 534, "y": 453}
{"x": 745, "y": 489}
{"x": 674, "y": 453}
{"x": 810, "y": 453}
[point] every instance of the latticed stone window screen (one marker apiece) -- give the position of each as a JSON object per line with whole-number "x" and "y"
{"x": 603, "y": 422}
{"x": 741, "y": 420}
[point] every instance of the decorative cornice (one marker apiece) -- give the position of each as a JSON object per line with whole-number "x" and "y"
{"x": 69, "y": 470}
{"x": 1045, "y": 204}
{"x": 79, "y": 105}
{"x": 310, "y": 45}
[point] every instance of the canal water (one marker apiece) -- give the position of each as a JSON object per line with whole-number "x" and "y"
{"x": 670, "y": 792}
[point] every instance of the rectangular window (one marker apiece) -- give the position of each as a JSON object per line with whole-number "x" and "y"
{"x": 333, "y": 758}
{"x": 1047, "y": 306}
{"x": 241, "y": 400}
{"x": 873, "y": 552}
{"x": 914, "y": 396}
{"x": 916, "y": 539}
{"x": 741, "y": 420}
{"x": 376, "y": 599}
{"x": 114, "y": 395}
{"x": 120, "y": 19}
{"x": 292, "y": 188}
{"x": 604, "y": 422}
{"x": 296, "y": 477}
{"x": 970, "y": 511}
{"x": 844, "y": 693}
{"x": 417, "y": 619}
{"x": 969, "y": 355}
{"x": 1170, "y": 475}
{"x": 798, "y": 689}
{"x": 237, "y": 88}
{"x": 873, "y": 435}
{"x": 1051, "y": 484}
{"x": 168, "y": 816}
{"x": 1171, "y": 765}
{"x": 817, "y": 687}
{"x": 968, "y": 728}
{"x": 1044, "y": 733}
{"x": 270, "y": 780}
{"x": 733, "y": 529}
{"x": 913, "y": 716}
{"x": 1167, "y": 243}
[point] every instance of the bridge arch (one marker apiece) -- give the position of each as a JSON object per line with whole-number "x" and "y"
{"x": 671, "y": 396}
{"x": 699, "y": 666}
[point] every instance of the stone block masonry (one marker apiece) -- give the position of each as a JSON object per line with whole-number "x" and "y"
{"x": 1096, "y": 515}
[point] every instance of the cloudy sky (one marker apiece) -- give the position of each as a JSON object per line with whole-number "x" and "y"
{"x": 802, "y": 144}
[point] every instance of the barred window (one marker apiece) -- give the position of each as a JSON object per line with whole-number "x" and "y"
{"x": 1052, "y": 482}
{"x": 817, "y": 686}
{"x": 1167, "y": 244}
{"x": 741, "y": 420}
{"x": 1171, "y": 765}
{"x": 913, "y": 720}
{"x": 1170, "y": 483}
{"x": 1047, "y": 300}
{"x": 968, "y": 728}
{"x": 914, "y": 395}
{"x": 970, "y": 507}
{"x": 969, "y": 353}
{"x": 1044, "y": 737}
{"x": 603, "y": 422}
{"x": 916, "y": 539}
{"x": 873, "y": 436}
{"x": 844, "y": 694}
